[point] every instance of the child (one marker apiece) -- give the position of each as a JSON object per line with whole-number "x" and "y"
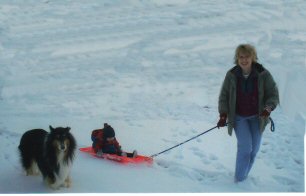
{"x": 104, "y": 141}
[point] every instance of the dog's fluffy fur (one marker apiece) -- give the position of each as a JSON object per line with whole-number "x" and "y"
{"x": 50, "y": 153}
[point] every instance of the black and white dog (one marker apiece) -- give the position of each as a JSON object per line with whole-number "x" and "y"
{"x": 51, "y": 153}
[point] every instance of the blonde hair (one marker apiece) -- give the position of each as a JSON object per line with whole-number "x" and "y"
{"x": 247, "y": 49}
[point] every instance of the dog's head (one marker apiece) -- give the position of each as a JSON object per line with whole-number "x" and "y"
{"x": 60, "y": 138}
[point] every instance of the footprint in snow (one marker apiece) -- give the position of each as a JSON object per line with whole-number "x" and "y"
{"x": 193, "y": 131}
{"x": 284, "y": 180}
{"x": 213, "y": 157}
{"x": 210, "y": 176}
{"x": 174, "y": 135}
{"x": 169, "y": 141}
{"x": 264, "y": 151}
{"x": 179, "y": 156}
{"x": 164, "y": 164}
{"x": 287, "y": 141}
{"x": 6, "y": 156}
{"x": 298, "y": 161}
{"x": 206, "y": 161}
{"x": 265, "y": 143}
{"x": 278, "y": 166}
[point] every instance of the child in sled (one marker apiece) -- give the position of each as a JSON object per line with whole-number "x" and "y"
{"x": 104, "y": 141}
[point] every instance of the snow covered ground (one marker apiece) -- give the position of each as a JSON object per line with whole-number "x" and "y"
{"x": 153, "y": 70}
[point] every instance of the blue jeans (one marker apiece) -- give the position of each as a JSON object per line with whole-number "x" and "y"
{"x": 248, "y": 142}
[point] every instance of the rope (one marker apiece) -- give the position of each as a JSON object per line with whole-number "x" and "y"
{"x": 154, "y": 155}
{"x": 272, "y": 128}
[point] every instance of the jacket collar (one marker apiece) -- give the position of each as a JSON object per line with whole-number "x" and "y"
{"x": 256, "y": 68}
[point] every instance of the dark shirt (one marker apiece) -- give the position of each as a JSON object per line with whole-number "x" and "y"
{"x": 247, "y": 94}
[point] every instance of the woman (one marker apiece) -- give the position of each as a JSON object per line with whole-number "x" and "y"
{"x": 247, "y": 97}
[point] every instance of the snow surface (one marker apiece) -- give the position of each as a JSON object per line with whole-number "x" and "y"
{"x": 153, "y": 70}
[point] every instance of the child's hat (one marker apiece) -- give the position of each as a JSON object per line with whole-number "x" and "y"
{"x": 108, "y": 131}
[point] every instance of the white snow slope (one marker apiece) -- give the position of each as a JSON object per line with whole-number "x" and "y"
{"x": 153, "y": 70}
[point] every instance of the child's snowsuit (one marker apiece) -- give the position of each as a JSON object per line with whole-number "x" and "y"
{"x": 101, "y": 144}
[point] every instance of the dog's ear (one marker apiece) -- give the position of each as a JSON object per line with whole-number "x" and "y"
{"x": 51, "y": 128}
{"x": 105, "y": 125}
{"x": 68, "y": 129}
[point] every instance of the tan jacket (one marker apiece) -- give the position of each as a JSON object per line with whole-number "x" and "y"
{"x": 267, "y": 95}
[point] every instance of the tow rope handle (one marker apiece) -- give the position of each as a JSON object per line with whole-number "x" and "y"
{"x": 272, "y": 128}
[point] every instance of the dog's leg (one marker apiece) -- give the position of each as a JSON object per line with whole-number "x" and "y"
{"x": 33, "y": 169}
{"x": 68, "y": 182}
{"x": 29, "y": 172}
{"x": 54, "y": 186}
{"x": 52, "y": 183}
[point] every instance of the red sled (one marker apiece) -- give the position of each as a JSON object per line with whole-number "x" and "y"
{"x": 121, "y": 159}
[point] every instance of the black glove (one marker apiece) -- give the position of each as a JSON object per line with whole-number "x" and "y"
{"x": 222, "y": 120}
